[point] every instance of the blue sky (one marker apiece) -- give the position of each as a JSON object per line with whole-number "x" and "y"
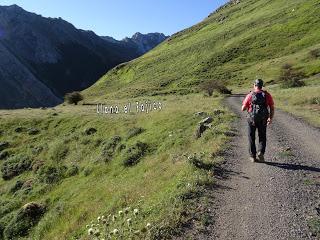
{"x": 121, "y": 18}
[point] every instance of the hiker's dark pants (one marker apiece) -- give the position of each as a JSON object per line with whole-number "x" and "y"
{"x": 262, "y": 132}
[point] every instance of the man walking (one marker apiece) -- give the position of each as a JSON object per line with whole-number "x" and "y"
{"x": 260, "y": 107}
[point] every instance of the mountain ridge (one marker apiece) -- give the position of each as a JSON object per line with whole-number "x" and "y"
{"x": 56, "y": 54}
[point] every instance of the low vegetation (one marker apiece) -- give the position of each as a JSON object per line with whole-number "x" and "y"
{"x": 73, "y": 98}
{"x": 290, "y": 77}
{"x": 77, "y": 173}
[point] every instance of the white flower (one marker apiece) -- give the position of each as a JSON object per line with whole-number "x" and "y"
{"x": 97, "y": 233}
{"x": 149, "y": 225}
{"x": 90, "y": 231}
{"x": 115, "y": 231}
{"x": 120, "y": 213}
{"x": 98, "y": 219}
{"x": 136, "y": 211}
{"x": 87, "y": 226}
{"x": 129, "y": 221}
{"x": 127, "y": 210}
{"x": 114, "y": 218}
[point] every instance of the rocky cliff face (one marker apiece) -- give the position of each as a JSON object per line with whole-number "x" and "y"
{"x": 41, "y": 59}
{"x": 141, "y": 42}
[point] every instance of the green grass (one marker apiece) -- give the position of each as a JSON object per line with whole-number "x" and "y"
{"x": 153, "y": 185}
{"x": 254, "y": 40}
{"x": 303, "y": 102}
{"x": 80, "y": 177}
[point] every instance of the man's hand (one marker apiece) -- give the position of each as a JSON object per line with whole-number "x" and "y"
{"x": 269, "y": 121}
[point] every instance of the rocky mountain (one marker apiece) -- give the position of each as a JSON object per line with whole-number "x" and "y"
{"x": 41, "y": 59}
{"x": 141, "y": 42}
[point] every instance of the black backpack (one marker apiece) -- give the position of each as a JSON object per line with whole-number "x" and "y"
{"x": 259, "y": 107}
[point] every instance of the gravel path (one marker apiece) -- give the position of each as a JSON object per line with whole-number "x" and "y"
{"x": 274, "y": 200}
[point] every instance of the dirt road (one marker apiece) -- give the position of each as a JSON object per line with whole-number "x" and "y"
{"x": 274, "y": 200}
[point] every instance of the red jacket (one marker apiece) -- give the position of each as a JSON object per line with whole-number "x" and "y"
{"x": 247, "y": 101}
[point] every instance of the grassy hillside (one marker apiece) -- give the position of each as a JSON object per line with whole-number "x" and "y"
{"x": 234, "y": 45}
{"x": 54, "y": 161}
{"x": 76, "y": 165}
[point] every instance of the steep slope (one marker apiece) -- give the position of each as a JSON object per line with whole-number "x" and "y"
{"x": 22, "y": 85}
{"x": 240, "y": 41}
{"x": 141, "y": 42}
{"x": 55, "y": 53}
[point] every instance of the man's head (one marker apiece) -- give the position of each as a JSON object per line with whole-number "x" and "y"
{"x": 258, "y": 84}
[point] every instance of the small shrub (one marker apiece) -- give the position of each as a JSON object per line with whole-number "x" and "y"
{"x": 90, "y": 131}
{"x": 3, "y": 145}
{"x": 36, "y": 165}
{"x": 73, "y": 98}
{"x": 314, "y": 224}
{"x": 213, "y": 85}
{"x": 315, "y": 53}
{"x": 17, "y": 186}
{"x": 72, "y": 171}
{"x": 15, "y": 165}
{"x": 109, "y": 148}
{"x": 134, "y": 153}
{"x": 314, "y": 101}
{"x": 58, "y": 152}
{"x": 87, "y": 171}
{"x": 33, "y": 131}
{"x": 291, "y": 77}
{"x": 134, "y": 132}
{"x": 7, "y": 206}
{"x": 4, "y": 155}
{"x": 27, "y": 217}
{"x": 51, "y": 174}
{"x": 4, "y": 222}
{"x": 19, "y": 129}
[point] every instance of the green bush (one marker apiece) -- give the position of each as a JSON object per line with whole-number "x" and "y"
{"x": 315, "y": 101}
{"x": 315, "y": 53}
{"x": 109, "y": 148}
{"x": 27, "y": 217}
{"x": 58, "y": 152}
{"x": 51, "y": 174}
{"x": 134, "y": 153}
{"x": 290, "y": 77}
{"x": 4, "y": 155}
{"x": 72, "y": 171}
{"x": 210, "y": 86}
{"x": 15, "y": 165}
{"x": 134, "y": 132}
{"x": 3, "y": 145}
{"x": 4, "y": 222}
{"x": 73, "y": 98}
{"x": 17, "y": 186}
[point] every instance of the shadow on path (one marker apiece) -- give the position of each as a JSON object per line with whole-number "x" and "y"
{"x": 293, "y": 167}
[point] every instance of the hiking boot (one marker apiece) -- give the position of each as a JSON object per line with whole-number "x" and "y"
{"x": 260, "y": 157}
{"x": 253, "y": 159}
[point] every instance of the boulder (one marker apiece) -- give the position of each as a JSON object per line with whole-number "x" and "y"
{"x": 200, "y": 130}
{"x": 206, "y": 120}
{"x": 201, "y": 114}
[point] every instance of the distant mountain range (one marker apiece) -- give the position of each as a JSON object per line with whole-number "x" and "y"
{"x": 41, "y": 59}
{"x": 141, "y": 42}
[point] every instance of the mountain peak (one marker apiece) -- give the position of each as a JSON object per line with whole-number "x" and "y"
{"x": 13, "y": 7}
